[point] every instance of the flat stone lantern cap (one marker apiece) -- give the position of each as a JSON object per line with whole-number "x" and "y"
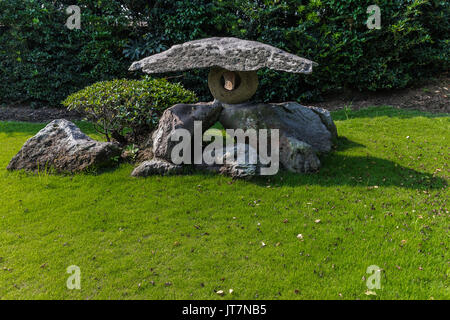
{"x": 232, "y": 54}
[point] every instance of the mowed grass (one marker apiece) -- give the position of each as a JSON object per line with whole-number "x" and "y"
{"x": 381, "y": 199}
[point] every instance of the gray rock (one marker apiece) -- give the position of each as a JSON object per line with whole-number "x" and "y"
{"x": 229, "y": 53}
{"x": 230, "y": 165}
{"x": 156, "y": 167}
{"x": 304, "y": 132}
{"x": 62, "y": 146}
{"x": 298, "y": 156}
{"x": 182, "y": 116}
{"x": 325, "y": 116}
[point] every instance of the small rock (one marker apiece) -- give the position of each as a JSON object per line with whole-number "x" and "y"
{"x": 156, "y": 167}
{"x": 225, "y": 162}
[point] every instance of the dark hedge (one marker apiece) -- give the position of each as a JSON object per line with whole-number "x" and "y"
{"x": 41, "y": 61}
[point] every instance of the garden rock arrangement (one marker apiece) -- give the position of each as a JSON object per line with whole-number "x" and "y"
{"x": 306, "y": 133}
{"x": 62, "y": 147}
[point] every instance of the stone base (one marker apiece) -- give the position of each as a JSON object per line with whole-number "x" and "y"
{"x": 305, "y": 133}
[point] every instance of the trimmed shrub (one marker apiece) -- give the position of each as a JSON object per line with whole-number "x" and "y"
{"x": 128, "y": 110}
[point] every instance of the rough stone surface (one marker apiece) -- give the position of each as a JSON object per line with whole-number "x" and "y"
{"x": 156, "y": 166}
{"x": 182, "y": 116}
{"x": 236, "y": 169}
{"x": 304, "y": 132}
{"x": 325, "y": 116}
{"x": 61, "y": 146}
{"x": 229, "y": 53}
{"x": 230, "y": 165}
{"x": 297, "y": 156}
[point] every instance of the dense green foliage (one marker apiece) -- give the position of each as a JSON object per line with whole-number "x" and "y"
{"x": 413, "y": 42}
{"x": 381, "y": 199}
{"x": 127, "y": 110}
{"x": 42, "y": 60}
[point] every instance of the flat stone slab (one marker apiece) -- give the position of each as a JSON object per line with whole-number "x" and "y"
{"x": 229, "y": 53}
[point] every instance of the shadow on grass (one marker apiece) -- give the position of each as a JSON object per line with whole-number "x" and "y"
{"x": 343, "y": 144}
{"x": 338, "y": 170}
{"x": 383, "y": 111}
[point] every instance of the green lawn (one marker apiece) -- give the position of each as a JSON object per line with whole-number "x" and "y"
{"x": 382, "y": 199}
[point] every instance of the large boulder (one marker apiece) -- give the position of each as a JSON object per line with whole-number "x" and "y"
{"x": 62, "y": 146}
{"x": 305, "y": 132}
{"x": 327, "y": 120}
{"x": 182, "y": 116}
